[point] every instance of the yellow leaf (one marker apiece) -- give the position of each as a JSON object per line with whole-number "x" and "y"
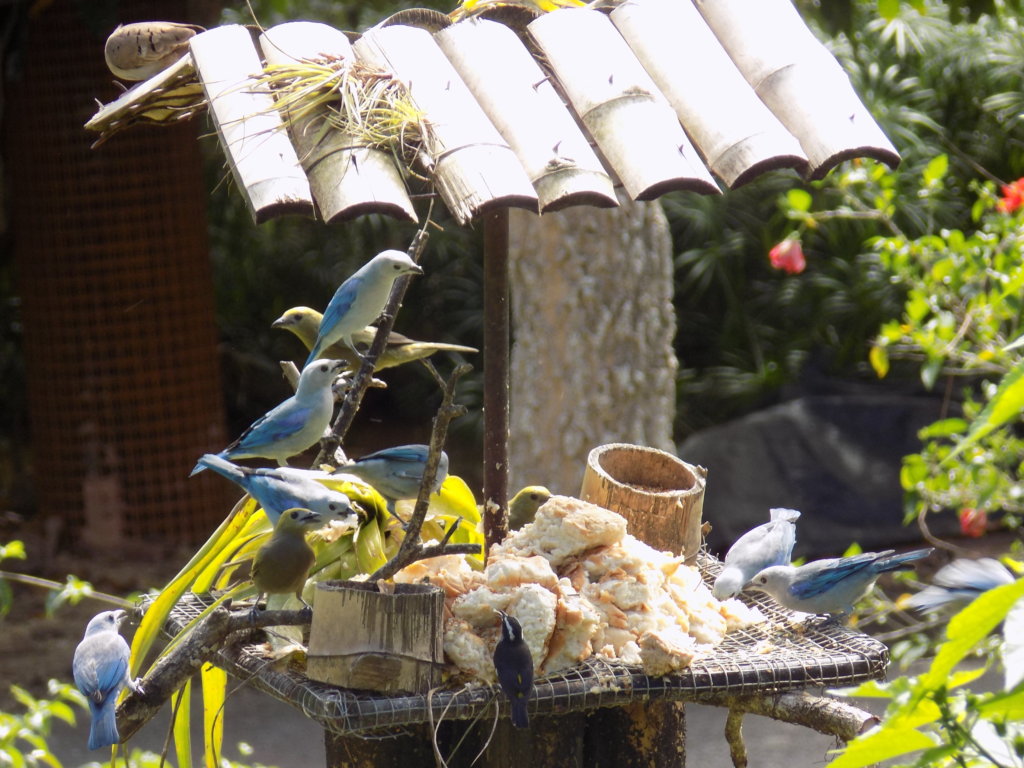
{"x": 215, "y": 684}
{"x": 182, "y": 728}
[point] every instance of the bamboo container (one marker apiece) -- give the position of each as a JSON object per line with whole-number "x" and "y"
{"x": 660, "y": 495}
{"x": 382, "y": 641}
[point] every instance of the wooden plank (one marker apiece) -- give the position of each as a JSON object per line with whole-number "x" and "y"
{"x": 619, "y": 104}
{"x": 800, "y": 80}
{"x": 473, "y": 167}
{"x": 736, "y": 133}
{"x": 255, "y": 142}
{"x": 521, "y": 102}
{"x": 347, "y": 179}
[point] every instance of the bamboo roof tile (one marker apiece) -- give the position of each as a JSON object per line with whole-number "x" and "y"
{"x": 652, "y": 96}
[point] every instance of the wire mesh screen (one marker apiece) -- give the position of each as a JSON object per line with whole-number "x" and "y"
{"x": 114, "y": 274}
{"x": 770, "y": 657}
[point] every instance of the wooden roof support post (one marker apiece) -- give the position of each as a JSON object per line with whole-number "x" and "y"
{"x": 496, "y": 375}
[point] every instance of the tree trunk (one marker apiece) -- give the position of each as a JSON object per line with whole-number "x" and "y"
{"x": 592, "y": 329}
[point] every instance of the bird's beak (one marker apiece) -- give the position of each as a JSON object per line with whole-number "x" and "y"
{"x": 120, "y": 616}
{"x": 417, "y": 269}
{"x": 281, "y": 322}
{"x": 310, "y": 517}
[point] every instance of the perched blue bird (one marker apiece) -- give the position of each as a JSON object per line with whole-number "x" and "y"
{"x": 513, "y": 664}
{"x": 832, "y": 585}
{"x": 100, "y": 668}
{"x": 295, "y": 424}
{"x": 768, "y": 544}
{"x": 960, "y": 581}
{"x": 397, "y": 473}
{"x": 278, "y": 489}
{"x": 360, "y": 299}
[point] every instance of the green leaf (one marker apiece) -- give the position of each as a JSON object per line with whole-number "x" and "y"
{"x": 930, "y": 371}
{"x": 1015, "y": 344}
{"x": 1006, "y": 404}
{"x": 1004, "y": 706}
{"x": 968, "y": 628}
{"x": 14, "y": 550}
{"x": 878, "y": 356}
{"x": 888, "y": 9}
{"x": 799, "y": 200}
{"x": 943, "y": 428}
{"x": 936, "y": 169}
{"x": 881, "y": 744}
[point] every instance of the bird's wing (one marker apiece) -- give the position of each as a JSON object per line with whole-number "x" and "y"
{"x": 277, "y": 425}
{"x": 341, "y": 303}
{"x": 830, "y": 574}
{"x": 405, "y": 454}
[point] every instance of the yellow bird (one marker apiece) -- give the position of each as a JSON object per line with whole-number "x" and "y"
{"x": 524, "y": 505}
{"x": 305, "y": 323}
{"x": 281, "y": 566}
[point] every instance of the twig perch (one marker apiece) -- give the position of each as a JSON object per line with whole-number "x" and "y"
{"x": 411, "y": 548}
{"x": 201, "y": 646}
{"x": 734, "y": 737}
{"x": 824, "y": 714}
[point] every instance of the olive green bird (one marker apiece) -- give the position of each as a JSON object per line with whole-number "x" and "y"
{"x": 305, "y": 323}
{"x": 281, "y": 566}
{"x": 524, "y": 505}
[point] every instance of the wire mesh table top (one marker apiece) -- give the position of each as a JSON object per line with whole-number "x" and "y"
{"x": 770, "y": 657}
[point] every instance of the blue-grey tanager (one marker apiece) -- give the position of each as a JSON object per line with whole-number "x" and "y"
{"x": 768, "y": 544}
{"x": 100, "y": 668}
{"x": 832, "y": 585}
{"x": 277, "y": 489}
{"x": 360, "y": 299}
{"x": 295, "y": 424}
{"x": 960, "y": 581}
{"x": 397, "y": 473}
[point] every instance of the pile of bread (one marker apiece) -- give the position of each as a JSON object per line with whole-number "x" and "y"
{"x": 580, "y": 585}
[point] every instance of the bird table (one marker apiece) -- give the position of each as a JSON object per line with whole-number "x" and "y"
{"x": 576, "y": 711}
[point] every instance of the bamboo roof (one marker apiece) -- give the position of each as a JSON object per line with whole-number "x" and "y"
{"x": 540, "y": 113}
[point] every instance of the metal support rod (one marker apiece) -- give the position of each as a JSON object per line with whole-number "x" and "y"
{"x": 496, "y": 375}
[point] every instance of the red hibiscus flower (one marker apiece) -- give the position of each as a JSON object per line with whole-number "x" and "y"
{"x": 788, "y": 256}
{"x": 1013, "y": 197}
{"x": 973, "y": 522}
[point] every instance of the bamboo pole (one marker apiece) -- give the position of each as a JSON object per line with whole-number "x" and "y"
{"x": 736, "y": 133}
{"x": 348, "y": 179}
{"x": 619, "y": 105}
{"x": 262, "y": 159}
{"x": 472, "y": 166}
{"x": 522, "y": 103}
{"x": 800, "y": 81}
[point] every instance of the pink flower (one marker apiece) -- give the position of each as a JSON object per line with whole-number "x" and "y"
{"x": 788, "y": 256}
{"x": 1013, "y": 197}
{"x": 973, "y": 522}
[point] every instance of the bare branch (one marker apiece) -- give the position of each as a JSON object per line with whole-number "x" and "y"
{"x": 824, "y": 714}
{"x": 411, "y": 548}
{"x": 187, "y": 658}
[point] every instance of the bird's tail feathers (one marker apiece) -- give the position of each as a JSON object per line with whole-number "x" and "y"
{"x": 520, "y": 717}
{"x": 103, "y": 731}
{"x": 220, "y": 465}
{"x": 894, "y": 561}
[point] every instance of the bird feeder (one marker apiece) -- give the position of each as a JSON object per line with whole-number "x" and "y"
{"x": 368, "y": 639}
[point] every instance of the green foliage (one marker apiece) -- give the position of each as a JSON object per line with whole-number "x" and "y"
{"x": 14, "y": 550}
{"x": 24, "y": 737}
{"x": 936, "y": 715}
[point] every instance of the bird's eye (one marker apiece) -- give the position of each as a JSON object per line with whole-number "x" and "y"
{"x": 333, "y": 507}
{"x": 323, "y": 368}
{"x": 295, "y": 514}
{"x": 396, "y": 267}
